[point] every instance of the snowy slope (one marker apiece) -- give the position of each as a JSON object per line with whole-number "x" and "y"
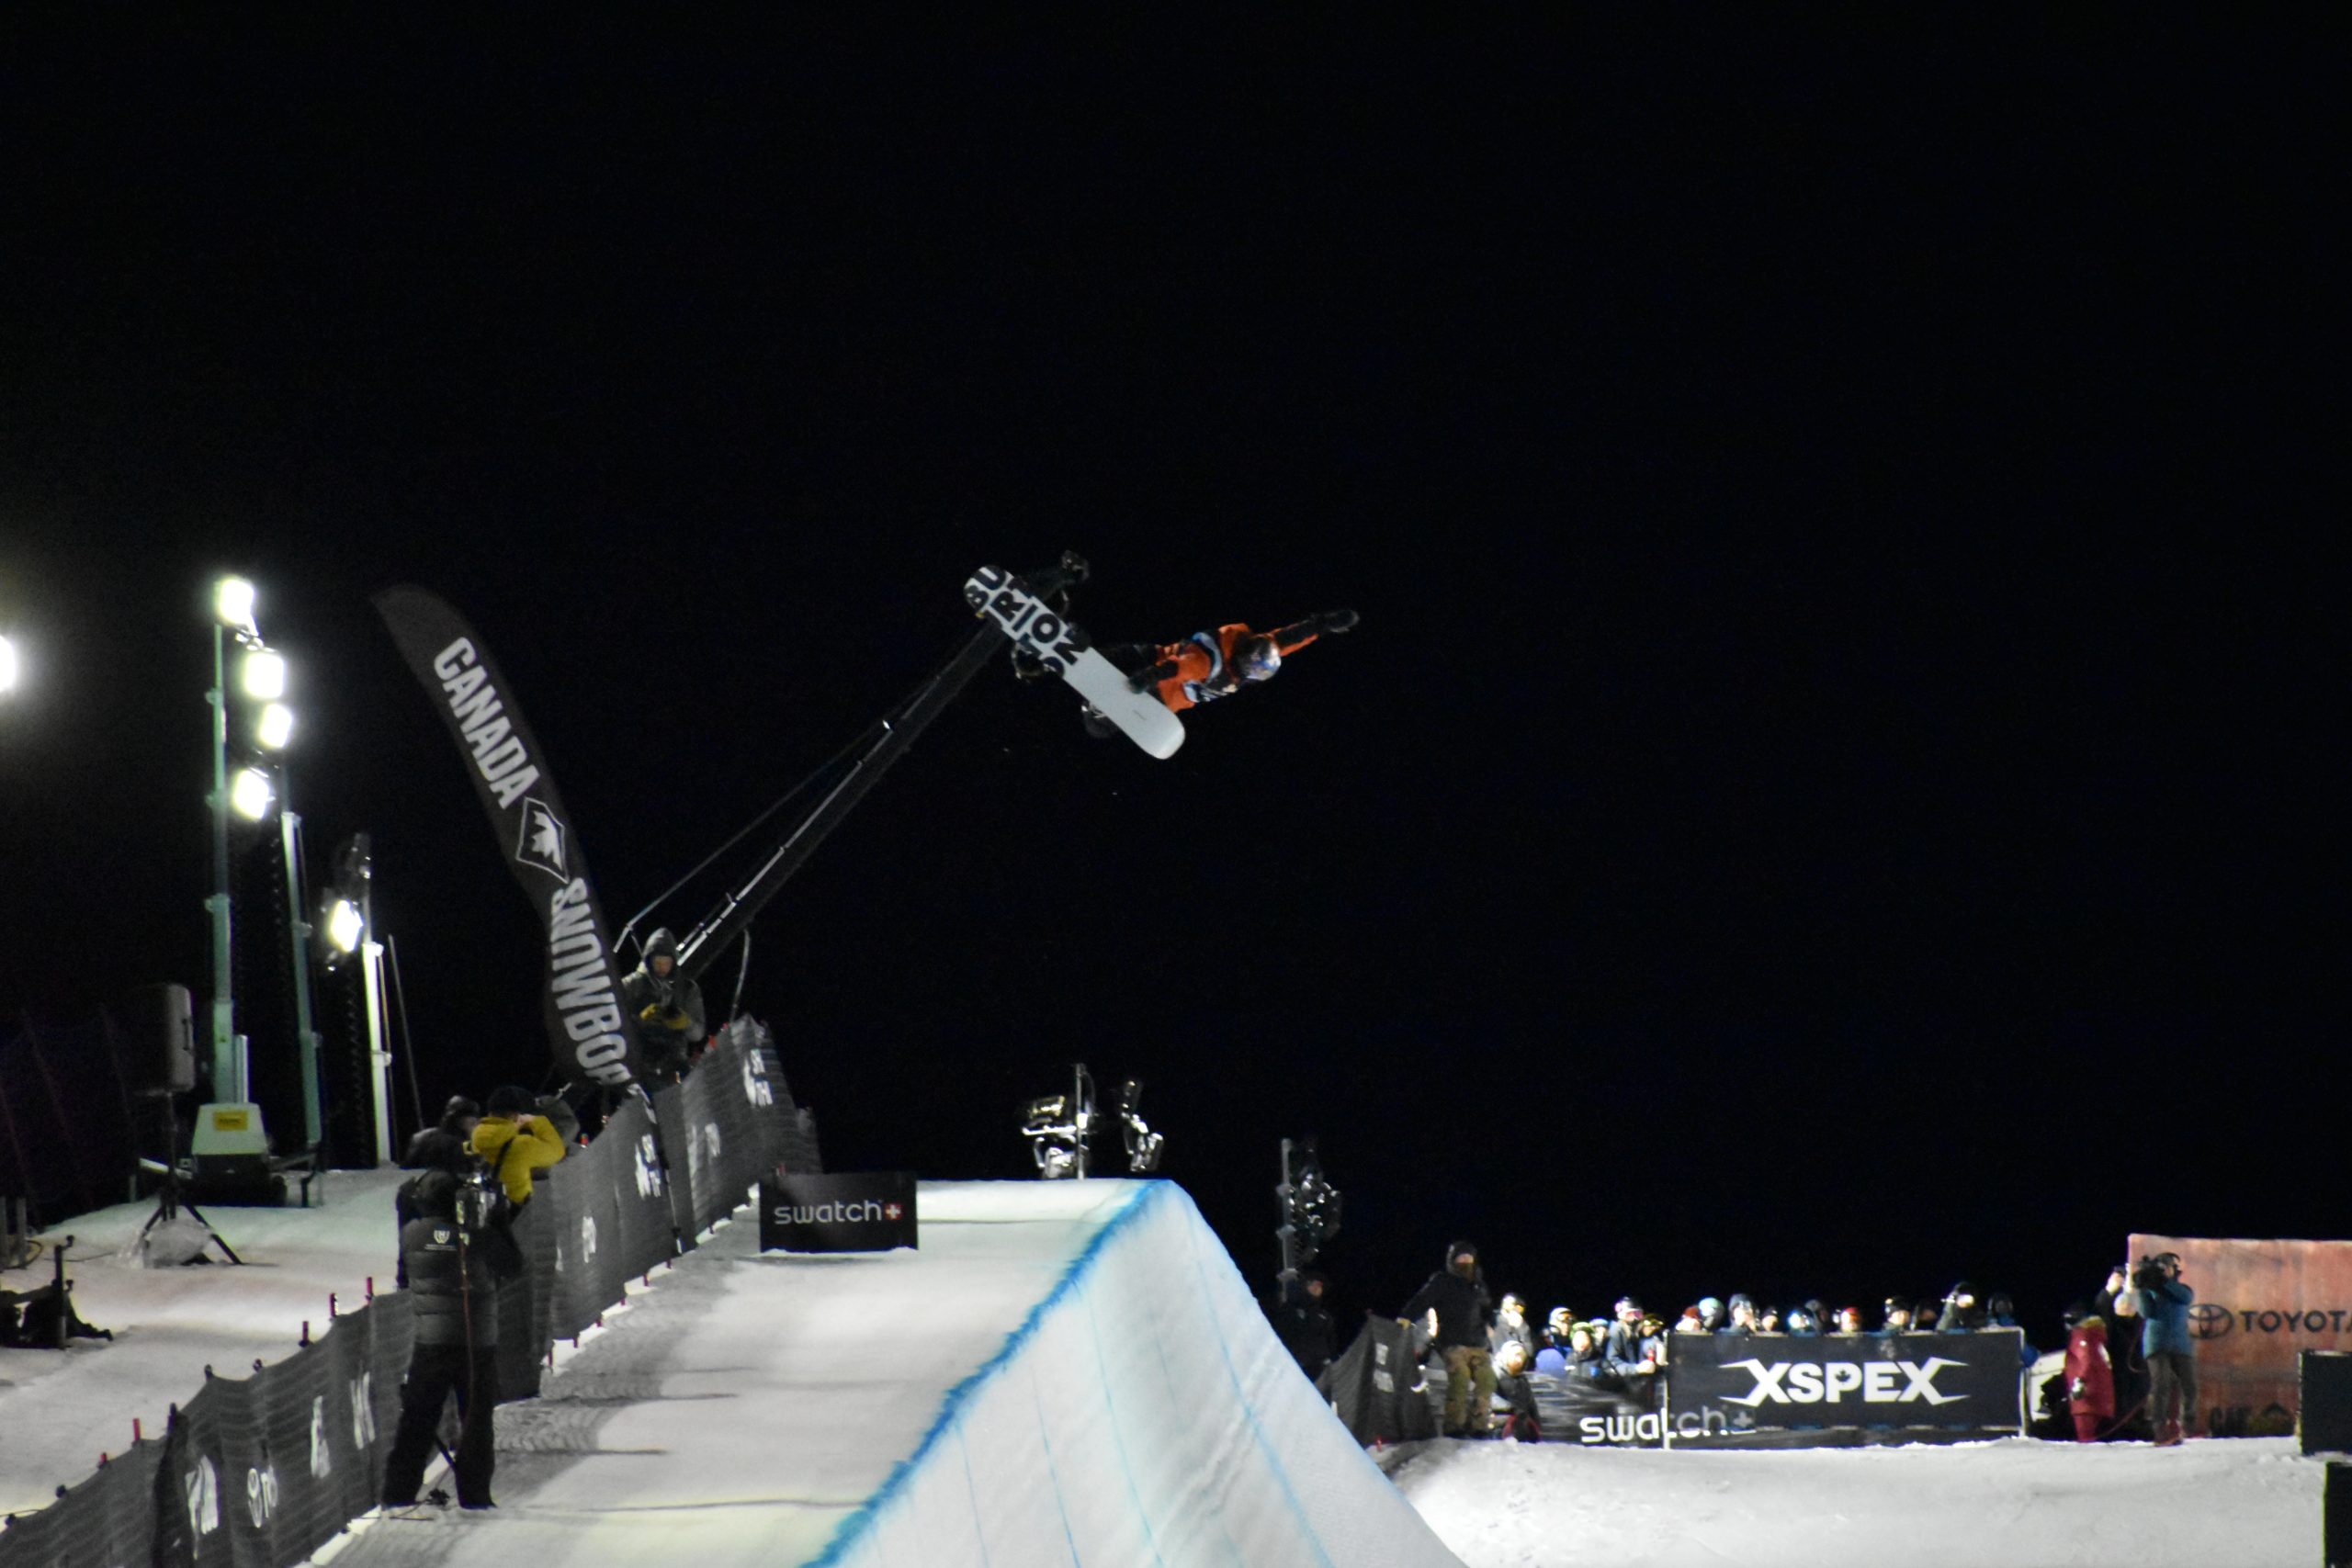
{"x": 2246, "y": 1503}
{"x": 1065, "y": 1372}
{"x": 58, "y": 1412}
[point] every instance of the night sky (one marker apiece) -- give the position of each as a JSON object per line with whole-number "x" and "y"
{"x": 1828, "y": 794}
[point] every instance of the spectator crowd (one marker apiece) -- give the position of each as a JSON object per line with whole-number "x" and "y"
{"x": 1490, "y": 1348}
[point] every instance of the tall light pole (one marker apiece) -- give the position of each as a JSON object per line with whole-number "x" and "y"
{"x": 232, "y": 603}
{"x": 249, "y": 794}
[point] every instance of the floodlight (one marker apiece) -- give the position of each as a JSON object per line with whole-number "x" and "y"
{"x": 344, "y": 927}
{"x": 7, "y": 665}
{"x": 275, "y": 728}
{"x": 232, "y": 601}
{"x": 250, "y": 793}
{"x": 265, "y": 674}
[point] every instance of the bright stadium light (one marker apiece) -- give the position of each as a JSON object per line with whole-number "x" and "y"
{"x": 264, "y": 675}
{"x": 275, "y": 728}
{"x": 232, "y": 601}
{"x": 346, "y": 926}
{"x": 8, "y": 665}
{"x": 250, "y": 793}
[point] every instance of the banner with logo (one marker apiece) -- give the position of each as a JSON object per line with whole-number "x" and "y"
{"x": 593, "y": 1043}
{"x": 2258, "y": 1303}
{"x": 1721, "y": 1388}
{"x": 1582, "y": 1410}
{"x": 866, "y": 1211}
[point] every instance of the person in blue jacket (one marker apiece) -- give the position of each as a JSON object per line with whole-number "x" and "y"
{"x": 2166, "y": 1346}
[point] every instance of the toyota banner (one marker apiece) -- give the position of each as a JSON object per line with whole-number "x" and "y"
{"x": 1783, "y": 1390}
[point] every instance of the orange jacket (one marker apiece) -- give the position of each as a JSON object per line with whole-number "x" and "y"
{"x": 1194, "y": 671}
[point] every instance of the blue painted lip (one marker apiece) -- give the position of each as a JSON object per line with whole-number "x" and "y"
{"x": 854, "y": 1527}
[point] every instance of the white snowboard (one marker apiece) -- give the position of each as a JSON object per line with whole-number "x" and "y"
{"x": 1006, "y": 603}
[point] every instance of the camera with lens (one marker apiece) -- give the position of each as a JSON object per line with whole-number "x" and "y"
{"x": 2149, "y": 1273}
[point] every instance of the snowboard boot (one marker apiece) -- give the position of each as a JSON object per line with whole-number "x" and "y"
{"x": 1096, "y": 725}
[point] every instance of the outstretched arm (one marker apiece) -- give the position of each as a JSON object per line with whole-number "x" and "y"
{"x": 1298, "y": 634}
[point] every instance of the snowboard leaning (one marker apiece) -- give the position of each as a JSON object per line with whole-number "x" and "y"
{"x": 1008, "y": 604}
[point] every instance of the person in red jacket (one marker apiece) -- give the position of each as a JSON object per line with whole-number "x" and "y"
{"x": 1210, "y": 665}
{"x": 2090, "y": 1378}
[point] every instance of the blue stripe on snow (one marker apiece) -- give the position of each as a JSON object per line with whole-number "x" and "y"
{"x": 1118, "y": 1443}
{"x": 1249, "y": 1411}
{"x": 855, "y": 1526}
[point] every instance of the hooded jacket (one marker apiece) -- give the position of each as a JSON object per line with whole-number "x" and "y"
{"x": 514, "y": 1149}
{"x": 2088, "y": 1370}
{"x": 666, "y": 1012}
{"x": 1463, "y": 1309}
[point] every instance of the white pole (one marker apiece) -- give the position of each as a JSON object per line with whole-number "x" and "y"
{"x": 380, "y": 1057}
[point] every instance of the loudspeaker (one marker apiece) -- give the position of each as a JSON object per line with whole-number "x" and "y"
{"x": 159, "y": 1038}
{"x": 2323, "y": 1379}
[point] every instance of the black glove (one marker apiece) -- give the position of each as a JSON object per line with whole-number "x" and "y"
{"x": 1332, "y": 621}
{"x": 1151, "y": 676}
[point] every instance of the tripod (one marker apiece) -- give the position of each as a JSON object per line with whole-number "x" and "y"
{"x": 169, "y": 1202}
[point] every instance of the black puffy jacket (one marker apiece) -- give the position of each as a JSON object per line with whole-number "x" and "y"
{"x": 456, "y": 1301}
{"x": 1464, "y": 1310}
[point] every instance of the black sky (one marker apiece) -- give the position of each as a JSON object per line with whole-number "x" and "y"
{"x": 1828, "y": 796}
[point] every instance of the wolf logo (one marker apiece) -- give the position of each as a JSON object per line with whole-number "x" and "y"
{"x": 542, "y": 840}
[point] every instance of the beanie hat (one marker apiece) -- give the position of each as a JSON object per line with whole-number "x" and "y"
{"x": 436, "y": 1195}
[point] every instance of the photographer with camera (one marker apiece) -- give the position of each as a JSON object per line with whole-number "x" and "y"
{"x": 2163, "y": 1303}
{"x": 665, "y": 1009}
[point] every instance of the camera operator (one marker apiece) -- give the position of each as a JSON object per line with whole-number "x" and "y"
{"x": 2165, "y": 1344}
{"x": 666, "y": 1008}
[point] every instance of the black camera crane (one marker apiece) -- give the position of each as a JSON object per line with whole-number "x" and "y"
{"x": 869, "y": 758}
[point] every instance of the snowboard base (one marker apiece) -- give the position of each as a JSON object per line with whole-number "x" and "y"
{"x": 1006, "y": 602}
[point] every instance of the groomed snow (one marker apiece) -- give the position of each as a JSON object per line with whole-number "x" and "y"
{"x": 2243, "y": 1503}
{"x": 60, "y": 1411}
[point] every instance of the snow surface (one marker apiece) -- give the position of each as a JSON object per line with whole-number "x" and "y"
{"x": 60, "y": 1411}
{"x": 2238, "y": 1503}
{"x": 1065, "y": 1371}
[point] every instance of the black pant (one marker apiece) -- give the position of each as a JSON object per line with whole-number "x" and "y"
{"x": 2172, "y": 1388}
{"x": 435, "y": 1372}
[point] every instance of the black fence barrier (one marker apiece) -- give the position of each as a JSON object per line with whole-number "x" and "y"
{"x": 1782, "y": 1391}
{"x": 260, "y": 1471}
{"x": 1376, "y": 1386}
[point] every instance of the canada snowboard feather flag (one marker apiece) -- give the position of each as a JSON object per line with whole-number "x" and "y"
{"x": 592, "y": 1041}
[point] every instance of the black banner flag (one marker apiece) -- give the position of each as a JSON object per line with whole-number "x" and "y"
{"x": 592, "y": 1040}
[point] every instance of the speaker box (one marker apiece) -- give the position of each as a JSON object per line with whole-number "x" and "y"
{"x": 159, "y": 1039}
{"x": 2325, "y": 1381}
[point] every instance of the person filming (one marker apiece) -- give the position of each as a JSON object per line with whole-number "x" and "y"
{"x": 2165, "y": 1344}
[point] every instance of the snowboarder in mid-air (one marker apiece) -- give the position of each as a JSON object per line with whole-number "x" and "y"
{"x": 1213, "y": 664}
{"x": 1209, "y": 665}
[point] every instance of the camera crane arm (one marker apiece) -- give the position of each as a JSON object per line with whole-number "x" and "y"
{"x": 901, "y": 728}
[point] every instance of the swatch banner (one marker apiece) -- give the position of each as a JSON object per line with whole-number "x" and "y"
{"x": 2258, "y": 1304}
{"x": 593, "y": 1042}
{"x": 1720, "y": 1384}
{"x": 867, "y": 1211}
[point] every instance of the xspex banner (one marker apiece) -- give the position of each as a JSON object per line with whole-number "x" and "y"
{"x": 1724, "y": 1383}
{"x": 593, "y": 1044}
{"x": 869, "y": 1210}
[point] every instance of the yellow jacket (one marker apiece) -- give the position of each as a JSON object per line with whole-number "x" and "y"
{"x": 515, "y": 1149}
